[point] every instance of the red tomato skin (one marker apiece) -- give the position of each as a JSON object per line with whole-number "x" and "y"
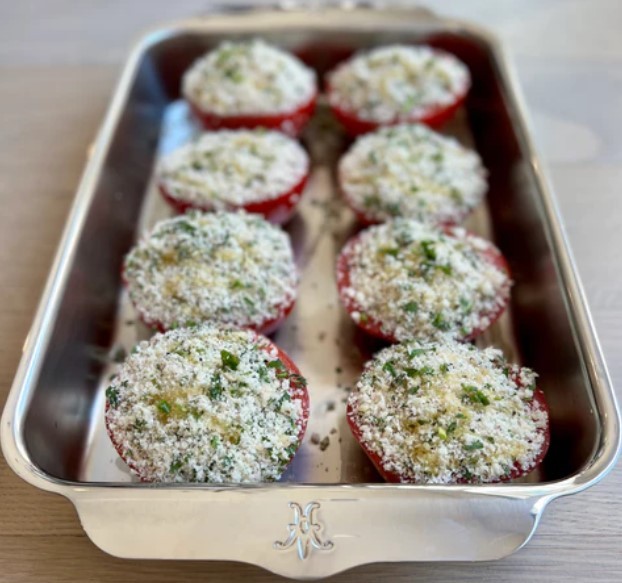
{"x": 392, "y": 477}
{"x": 298, "y": 392}
{"x": 291, "y": 123}
{"x": 278, "y": 210}
{"x": 374, "y": 328}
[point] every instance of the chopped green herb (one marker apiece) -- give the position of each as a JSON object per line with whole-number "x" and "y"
{"x": 186, "y": 227}
{"x": 229, "y": 360}
{"x": 474, "y": 395}
{"x": 440, "y": 323}
{"x": 477, "y": 444}
{"x": 164, "y": 406}
{"x": 176, "y": 466}
{"x": 392, "y": 251}
{"x": 452, "y": 427}
{"x": 411, "y": 307}
{"x": 298, "y": 380}
{"x": 444, "y": 367}
{"x": 263, "y": 373}
{"x": 427, "y": 247}
{"x": 284, "y": 398}
{"x": 390, "y": 368}
{"x": 112, "y": 395}
{"x": 446, "y": 269}
{"x": 214, "y": 441}
{"x": 419, "y": 372}
{"x": 216, "y": 389}
{"x": 417, "y": 352}
{"x": 237, "y": 284}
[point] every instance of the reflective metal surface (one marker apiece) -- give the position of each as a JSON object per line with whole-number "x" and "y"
{"x": 52, "y": 427}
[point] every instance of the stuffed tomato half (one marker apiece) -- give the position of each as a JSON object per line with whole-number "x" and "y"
{"x": 448, "y": 413}
{"x": 226, "y": 268}
{"x": 251, "y": 84}
{"x": 405, "y": 280}
{"x": 259, "y": 171}
{"x": 396, "y": 84}
{"x": 205, "y": 404}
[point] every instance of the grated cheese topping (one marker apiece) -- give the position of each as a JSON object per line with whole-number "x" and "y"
{"x": 224, "y": 169}
{"x": 448, "y": 412}
{"x": 205, "y": 405}
{"x": 412, "y": 171}
{"x": 226, "y": 268}
{"x": 397, "y": 83}
{"x": 418, "y": 282}
{"x": 248, "y": 78}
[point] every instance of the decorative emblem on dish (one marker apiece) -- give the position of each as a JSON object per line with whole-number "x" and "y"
{"x": 304, "y": 531}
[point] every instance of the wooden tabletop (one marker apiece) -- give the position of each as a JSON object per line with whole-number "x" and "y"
{"x": 58, "y": 64}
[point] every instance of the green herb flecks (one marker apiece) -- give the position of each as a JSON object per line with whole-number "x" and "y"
{"x": 112, "y": 395}
{"x": 229, "y": 361}
{"x": 474, "y": 445}
{"x": 471, "y": 394}
{"x": 411, "y": 307}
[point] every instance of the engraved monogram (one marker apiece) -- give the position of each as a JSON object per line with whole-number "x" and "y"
{"x": 304, "y": 532}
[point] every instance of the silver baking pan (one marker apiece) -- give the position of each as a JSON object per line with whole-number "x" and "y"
{"x": 330, "y": 511}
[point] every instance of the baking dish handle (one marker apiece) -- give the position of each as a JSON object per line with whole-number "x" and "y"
{"x": 308, "y": 533}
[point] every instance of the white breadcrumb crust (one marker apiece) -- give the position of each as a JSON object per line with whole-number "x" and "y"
{"x": 225, "y": 169}
{"x": 247, "y": 78}
{"x": 418, "y": 282}
{"x": 227, "y": 268}
{"x": 397, "y": 83}
{"x": 442, "y": 413}
{"x": 412, "y": 171}
{"x": 205, "y": 405}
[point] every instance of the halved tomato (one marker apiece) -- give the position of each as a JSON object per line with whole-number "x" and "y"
{"x": 434, "y": 117}
{"x": 516, "y": 472}
{"x": 277, "y": 210}
{"x": 291, "y": 123}
{"x": 375, "y": 328}
{"x": 297, "y": 392}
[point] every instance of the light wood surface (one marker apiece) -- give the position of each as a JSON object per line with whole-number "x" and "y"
{"x": 58, "y": 64}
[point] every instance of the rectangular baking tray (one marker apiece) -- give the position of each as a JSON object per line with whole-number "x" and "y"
{"x": 330, "y": 511}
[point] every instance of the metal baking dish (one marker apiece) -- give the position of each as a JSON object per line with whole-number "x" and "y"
{"x": 330, "y": 512}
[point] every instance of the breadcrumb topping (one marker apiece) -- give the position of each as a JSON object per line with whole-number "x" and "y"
{"x": 247, "y": 78}
{"x": 206, "y": 405}
{"x": 442, "y": 413}
{"x": 227, "y": 268}
{"x": 224, "y": 169}
{"x": 418, "y": 282}
{"x": 397, "y": 83}
{"x": 411, "y": 171}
